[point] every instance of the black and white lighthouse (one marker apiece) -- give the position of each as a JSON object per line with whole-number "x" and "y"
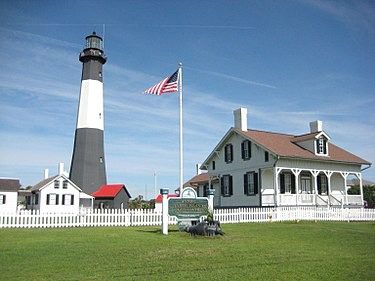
{"x": 87, "y": 169}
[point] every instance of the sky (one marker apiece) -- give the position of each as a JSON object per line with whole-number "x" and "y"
{"x": 288, "y": 62}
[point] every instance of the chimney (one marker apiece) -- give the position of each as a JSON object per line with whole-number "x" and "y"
{"x": 316, "y": 126}
{"x": 61, "y": 169}
{"x": 199, "y": 171}
{"x": 240, "y": 119}
{"x": 46, "y": 173}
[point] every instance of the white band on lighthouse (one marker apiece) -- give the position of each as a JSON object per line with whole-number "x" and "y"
{"x": 90, "y": 112}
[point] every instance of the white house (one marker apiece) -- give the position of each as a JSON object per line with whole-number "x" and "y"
{"x": 58, "y": 194}
{"x": 8, "y": 195}
{"x": 260, "y": 168}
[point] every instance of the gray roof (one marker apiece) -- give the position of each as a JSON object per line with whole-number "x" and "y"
{"x": 42, "y": 183}
{"x": 9, "y": 184}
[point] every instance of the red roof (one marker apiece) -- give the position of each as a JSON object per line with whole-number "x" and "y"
{"x": 159, "y": 198}
{"x": 108, "y": 190}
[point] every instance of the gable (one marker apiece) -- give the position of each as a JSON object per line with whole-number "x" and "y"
{"x": 46, "y": 182}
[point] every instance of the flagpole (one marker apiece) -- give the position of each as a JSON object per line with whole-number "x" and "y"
{"x": 181, "y": 130}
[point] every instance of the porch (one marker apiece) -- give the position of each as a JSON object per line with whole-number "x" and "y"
{"x": 309, "y": 187}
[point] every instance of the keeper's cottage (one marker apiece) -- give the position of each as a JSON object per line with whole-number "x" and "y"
{"x": 258, "y": 168}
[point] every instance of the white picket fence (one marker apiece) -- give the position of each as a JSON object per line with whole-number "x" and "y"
{"x": 146, "y": 217}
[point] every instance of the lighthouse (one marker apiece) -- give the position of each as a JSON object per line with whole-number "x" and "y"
{"x": 87, "y": 169}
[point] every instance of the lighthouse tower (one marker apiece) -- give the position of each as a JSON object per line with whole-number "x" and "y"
{"x": 87, "y": 169}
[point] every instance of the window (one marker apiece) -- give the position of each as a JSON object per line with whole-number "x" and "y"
{"x": 213, "y": 165}
{"x": 266, "y": 156}
{"x": 52, "y": 199}
{"x": 36, "y": 199}
{"x": 246, "y": 150}
{"x": 28, "y": 200}
{"x": 322, "y": 184}
{"x": 205, "y": 190}
{"x": 57, "y": 184}
{"x": 321, "y": 146}
{"x": 287, "y": 183}
{"x": 101, "y": 159}
{"x": 306, "y": 187}
{"x": 2, "y": 199}
{"x": 228, "y": 153}
{"x": 65, "y": 184}
{"x": 68, "y": 199}
{"x": 251, "y": 183}
{"x": 227, "y": 185}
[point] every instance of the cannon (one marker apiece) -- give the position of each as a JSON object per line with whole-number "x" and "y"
{"x": 211, "y": 228}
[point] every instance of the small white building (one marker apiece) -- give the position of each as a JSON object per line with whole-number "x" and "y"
{"x": 58, "y": 194}
{"x": 8, "y": 195}
{"x": 259, "y": 168}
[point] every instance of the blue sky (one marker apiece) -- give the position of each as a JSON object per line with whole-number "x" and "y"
{"x": 288, "y": 62}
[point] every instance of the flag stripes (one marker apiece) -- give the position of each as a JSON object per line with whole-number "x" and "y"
{"x": 167, "y": 85}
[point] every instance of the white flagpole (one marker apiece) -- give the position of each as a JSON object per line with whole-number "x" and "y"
{"x": 181, "y": 131}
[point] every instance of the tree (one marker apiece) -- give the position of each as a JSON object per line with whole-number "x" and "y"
{"x": 368, "y": 194}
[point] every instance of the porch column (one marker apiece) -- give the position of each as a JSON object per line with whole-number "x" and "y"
{"x": 296, "y": 173}
{"x": 359, "y": 175}
{"x": 345, "y": 176}
{"x": 276, "y": 172}
{"x": 315, "y": 174}
{"x": 328, "y": 175}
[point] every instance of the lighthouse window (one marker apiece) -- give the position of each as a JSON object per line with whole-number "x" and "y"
{"x": 101, "y": 159}
{"x": 100, "y": 116}
{"x": 100, "y": 74}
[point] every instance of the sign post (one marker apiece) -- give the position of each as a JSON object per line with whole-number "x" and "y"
{"x": 164, "y": 223}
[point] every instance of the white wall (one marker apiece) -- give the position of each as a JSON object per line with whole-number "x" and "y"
{"x": 237, "y": 169}
{"x": 10, "y": 205}
{"x": 44, "y": 208}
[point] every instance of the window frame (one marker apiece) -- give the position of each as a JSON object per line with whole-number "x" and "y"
{"x": 246, "y": 150}
{"x": 228, "y": 153}
{"x": 226, "y": 185}
{"x": 251, "y": 183}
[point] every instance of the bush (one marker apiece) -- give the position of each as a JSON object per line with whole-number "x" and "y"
{"x": 368, "y": 194}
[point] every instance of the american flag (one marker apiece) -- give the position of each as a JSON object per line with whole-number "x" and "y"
{"x": 167, "y": 85}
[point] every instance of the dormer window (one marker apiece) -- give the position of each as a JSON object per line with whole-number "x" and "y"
{"x": 321, "y": 146}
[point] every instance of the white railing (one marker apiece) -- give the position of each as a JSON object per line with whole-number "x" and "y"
{"x": 139, "y": 217}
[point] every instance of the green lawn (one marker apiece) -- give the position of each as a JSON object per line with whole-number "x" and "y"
{"x": 269, "y": 251}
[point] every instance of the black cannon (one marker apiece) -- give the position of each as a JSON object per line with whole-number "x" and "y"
{"x": 211, "y": 228}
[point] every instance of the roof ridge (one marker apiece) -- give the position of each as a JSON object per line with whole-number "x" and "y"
{"x": 270, "y": 132}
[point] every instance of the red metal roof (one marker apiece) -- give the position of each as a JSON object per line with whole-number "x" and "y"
{"x": 159, "y": 198}
{"x": 108, "y": 190}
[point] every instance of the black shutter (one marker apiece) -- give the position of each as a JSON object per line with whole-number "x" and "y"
{"x": 231, "y": 153}
{"x": 63, "y": 200}
{"x": 317, "y": 146}
{"x": 249, "y": 148}
{"x": 255, "y": 183}
{"x": 222, "y": 185}
{"x": 72, "y": 199}
{"x": 325, "y": 146}
{"x": 293, "y": 180}
{"x": 245, "y": 184}
{"x": 319, "y": 182}
{"x": 47, "y": 199}
{"x": 243, "y": 150}
{"x": 57, "y": 199}
{"x": 230, "y": 185}
{"x": 4, "y": 199}
{"x": 226, "y": 153}
{"x": 282, "y": 183}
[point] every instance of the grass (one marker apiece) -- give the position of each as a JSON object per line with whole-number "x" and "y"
{"x": 270, "y": 251}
